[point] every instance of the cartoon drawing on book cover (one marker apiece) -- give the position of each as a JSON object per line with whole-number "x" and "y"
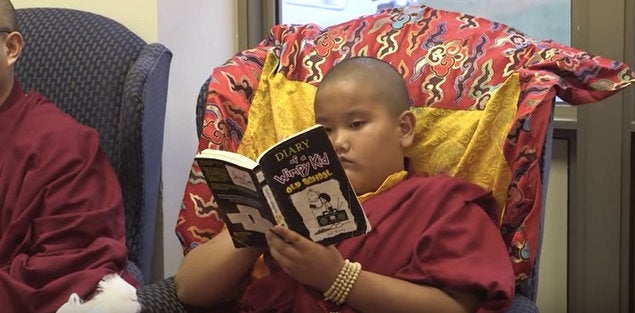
{"x": 250, "y": 218}
{"x": 329, "y": 212}
{"x": 240, "y": 177}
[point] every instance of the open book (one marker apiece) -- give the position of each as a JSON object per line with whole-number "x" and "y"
{"x": 298, "y": 183}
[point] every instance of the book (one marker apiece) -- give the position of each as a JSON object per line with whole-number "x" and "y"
{"x": 298, "y": 183}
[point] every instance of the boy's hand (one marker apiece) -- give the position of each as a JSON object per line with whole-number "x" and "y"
{"x": 309, "y": 263}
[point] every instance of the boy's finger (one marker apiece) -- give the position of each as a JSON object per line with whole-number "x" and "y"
{"x": 289, "y": 236}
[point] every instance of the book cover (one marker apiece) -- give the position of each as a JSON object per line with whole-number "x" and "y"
{"x": 299, "y": 183}
{"x": 239, "y": 197}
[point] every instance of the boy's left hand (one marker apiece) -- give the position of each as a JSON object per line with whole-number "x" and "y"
{"x": 307, "y": 262}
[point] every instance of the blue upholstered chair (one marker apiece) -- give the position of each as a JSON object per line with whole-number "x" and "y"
{"x": 108, "y": 78}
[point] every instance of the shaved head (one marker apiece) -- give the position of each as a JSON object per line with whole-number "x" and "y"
{"x": 380, "y": 78}
{"x": 7, "y": 15}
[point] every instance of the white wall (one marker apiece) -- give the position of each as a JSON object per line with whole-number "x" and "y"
{"x": 140, "y": 15}
{"x": 201, "y": 35}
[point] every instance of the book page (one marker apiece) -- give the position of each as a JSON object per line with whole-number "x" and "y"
{"x": 228, "y": 156}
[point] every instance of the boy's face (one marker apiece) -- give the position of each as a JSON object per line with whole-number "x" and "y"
{"x": 368, "y": 139}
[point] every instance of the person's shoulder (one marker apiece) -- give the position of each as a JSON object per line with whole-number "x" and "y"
{"x": 451, "y": 187}
{"x": 443, "y": 181}
{"x": 44, "y": 127}
{"x": 47, "y": 118}
{"x": 443, "y": 192}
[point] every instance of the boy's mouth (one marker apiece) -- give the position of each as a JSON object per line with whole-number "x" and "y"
{"x": 345, "y": 162}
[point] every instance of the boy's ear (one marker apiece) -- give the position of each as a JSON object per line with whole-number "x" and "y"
{"x": 407, "y": 123}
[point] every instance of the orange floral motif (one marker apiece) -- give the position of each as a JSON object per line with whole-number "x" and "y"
{"x": 520, "y": 251}
{"x": 180, "y": 220}
{"x": 202, "y": 235}
{"x": 330, "y": 41}
{"x": 203, "y": 208}
{"x": 447, "y": 57}
{"x": 401, "y": 20}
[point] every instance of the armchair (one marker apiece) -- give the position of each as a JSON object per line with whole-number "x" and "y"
{"x": 451, "y": 61}
{"x": 108, "y": 78}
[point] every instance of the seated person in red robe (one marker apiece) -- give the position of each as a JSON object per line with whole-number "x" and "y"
{"x": 61, "y": 211}
{"x": 432, "y": 247}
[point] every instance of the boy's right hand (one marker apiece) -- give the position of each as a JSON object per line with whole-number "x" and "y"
{"x": 309, "y": 263}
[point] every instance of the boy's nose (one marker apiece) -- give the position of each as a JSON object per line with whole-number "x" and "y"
{"x": 340, "y": 143}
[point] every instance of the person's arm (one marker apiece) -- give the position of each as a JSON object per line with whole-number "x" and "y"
{"x": 377, "y": 293}
{"x": 210, "y": 273}
{"x": 371, "y": 292}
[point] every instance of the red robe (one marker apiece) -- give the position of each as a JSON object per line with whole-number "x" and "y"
{"x": 61, "y": 212}
{"x": 426, "y": 230}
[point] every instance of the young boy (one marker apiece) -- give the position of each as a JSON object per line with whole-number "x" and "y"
{"x": 432, "y": 248}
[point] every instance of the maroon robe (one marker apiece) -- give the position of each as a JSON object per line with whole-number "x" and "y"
{"x": 61, "y": 212}
{"x": 426, "y": 230}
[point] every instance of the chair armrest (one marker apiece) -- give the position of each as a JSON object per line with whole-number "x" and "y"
{"x": 144, "y": 103}
{"x": 160, "y": 297}
{"x": 522, "y": 304}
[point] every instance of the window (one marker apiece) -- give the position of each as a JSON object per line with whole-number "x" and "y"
{"x": 554, "y": 16}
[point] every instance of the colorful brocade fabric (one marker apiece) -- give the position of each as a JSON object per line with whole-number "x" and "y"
{"x": 450, "y": 61}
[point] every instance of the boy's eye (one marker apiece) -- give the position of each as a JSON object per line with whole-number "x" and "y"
{"x": 357, "y": 124}
{"x": 328, "y": 130}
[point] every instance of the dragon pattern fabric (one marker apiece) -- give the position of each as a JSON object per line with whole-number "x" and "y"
{"x": 450, "y": 61}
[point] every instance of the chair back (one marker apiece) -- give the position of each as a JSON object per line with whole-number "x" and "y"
{"x": 201, "y": 100}
{"x": 108, "y": 78}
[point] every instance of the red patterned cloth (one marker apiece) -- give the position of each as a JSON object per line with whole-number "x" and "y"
{"x": 449, "y": 60}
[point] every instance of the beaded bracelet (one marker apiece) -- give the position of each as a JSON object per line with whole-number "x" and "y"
{"x": 341, "y": 287}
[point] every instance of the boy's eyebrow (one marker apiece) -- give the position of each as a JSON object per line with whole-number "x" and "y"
{"x": 356, "y": 112}
{"x": 348, "y": 115}
{"x": 320, "y": 119}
